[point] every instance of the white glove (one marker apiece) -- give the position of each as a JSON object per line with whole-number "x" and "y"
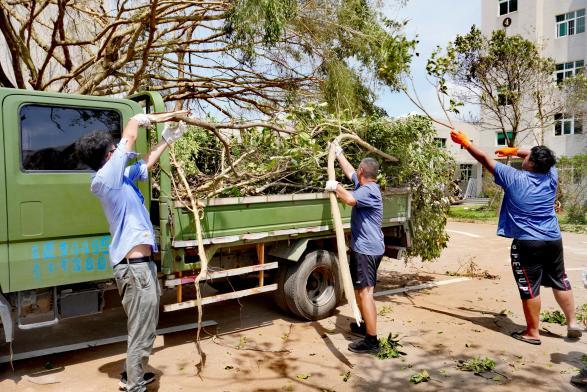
{"x": 142, "y": 119}
{"x": 331, "y": 185}
{"x": 337, "y": 150}
{"x": 173, "y": 131}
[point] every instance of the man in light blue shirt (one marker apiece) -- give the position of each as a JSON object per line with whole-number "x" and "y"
{"x": 367, "y": 246}
{"x": 527, "y": 215}
{"x": 133, "y": 239}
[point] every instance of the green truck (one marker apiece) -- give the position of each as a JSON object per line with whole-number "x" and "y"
{"x": 54, "y": 236}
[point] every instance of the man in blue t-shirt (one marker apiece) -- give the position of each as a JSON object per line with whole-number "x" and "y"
{"x": 527, "y": 215}
{"x": 367, "y": 245}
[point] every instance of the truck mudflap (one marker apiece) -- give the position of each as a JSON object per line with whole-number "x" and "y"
{"x": 6, "y": 317}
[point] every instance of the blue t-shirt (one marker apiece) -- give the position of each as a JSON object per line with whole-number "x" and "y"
{"x": 527, "y": 211}
{"x": 123, "y": 203}
{"x": 366, "y": 217}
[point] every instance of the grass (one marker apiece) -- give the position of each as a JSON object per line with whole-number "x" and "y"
{"x": 475, "y": 214}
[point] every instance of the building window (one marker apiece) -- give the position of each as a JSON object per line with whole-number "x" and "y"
{"x": 48, "y": 134}
{"x": 440, "y": 142}
{"x": 565, "y": 124}
{"x": 567, "y": 70}
{"x": 465, "y": 172}
{"x": 507, "y": 6}
{"x": 501, "y": 139}
{"x": 506, "y": 94}
{"x": 570, "y": 23}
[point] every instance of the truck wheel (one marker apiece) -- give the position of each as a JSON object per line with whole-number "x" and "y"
{"x": 280, "y": 300}
{"x": 312, "y": 287}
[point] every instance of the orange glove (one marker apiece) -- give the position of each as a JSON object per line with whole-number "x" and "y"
{"x": 507, "y": 152}
{"x": 460, "y": 138}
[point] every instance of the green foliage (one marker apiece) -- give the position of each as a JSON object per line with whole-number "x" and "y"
{"x": 477, "y": 365}
{"x": 554, "y": 317}
{"x": 249, "y": 19}
{"x": 582, "y": 313}
{"x": 425, "y": 168}
{"x": 268, "y": 163}
{"x": 390, "y": 347}
{"x": 332, "y": 33}
{"x": 345, "y": 92}
{"x": 419, "y": 377}
{"x": 572, "y": 188}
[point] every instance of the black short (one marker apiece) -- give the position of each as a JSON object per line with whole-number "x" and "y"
{"x": 364, "y": 269}
{"x": 537, "y": 263}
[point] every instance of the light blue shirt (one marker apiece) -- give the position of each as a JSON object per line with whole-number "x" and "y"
{"x": 527, "y": 211}
{"x": 123, "y": 203}
{"x": 366, "y": 218}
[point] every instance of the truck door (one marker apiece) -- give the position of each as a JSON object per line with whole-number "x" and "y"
{"x": 56, "y": 228}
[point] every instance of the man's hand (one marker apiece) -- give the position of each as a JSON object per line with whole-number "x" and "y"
{"x": 460, "y": 138}
{"x": 173, "y": 131}
{"x": 507, "y": 152}
{"x": 331, "y": 185}
{"x": 337, "y": 149}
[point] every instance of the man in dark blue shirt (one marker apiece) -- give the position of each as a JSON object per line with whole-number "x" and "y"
{"x": 527, "y": 215}
{"x": 367, "y": 245}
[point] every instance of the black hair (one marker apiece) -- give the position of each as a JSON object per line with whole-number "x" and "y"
{"x": 92, "y": 148}
{"x": 370, "y": 168}
{"x": 543, "y": 158}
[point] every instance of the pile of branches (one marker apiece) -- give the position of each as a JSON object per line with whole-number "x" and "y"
{"x": 256, "y": 160}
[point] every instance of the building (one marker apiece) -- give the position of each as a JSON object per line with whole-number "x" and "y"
{"x": 558, "y": 28}
{"x": 469, "y": 171}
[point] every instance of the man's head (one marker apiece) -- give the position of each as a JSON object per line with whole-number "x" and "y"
{"x": 368, "y": 170}
{"x": 540, "y": 160}
{"x": 95, "y": 148}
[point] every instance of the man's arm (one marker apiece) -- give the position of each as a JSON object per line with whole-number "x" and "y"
{"x": 345, "y": 196}
{"x": 131, "y": 131}
{"x": 484, "y": 159}
{"x": 522, "y": 153}
{"x": 345, "y": 165}
{"x": 153, "y": 156}
{"x": 170, "y": 134}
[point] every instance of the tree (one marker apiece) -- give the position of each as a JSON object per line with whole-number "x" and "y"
{"x": 506, "y": 76}
{"x": 276, "y": 58}
{"x": 230, "y": 55}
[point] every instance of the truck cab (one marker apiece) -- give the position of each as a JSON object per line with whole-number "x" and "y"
{"x": 53, "y": 234}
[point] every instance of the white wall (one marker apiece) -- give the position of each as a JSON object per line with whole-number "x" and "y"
{"x": 535, "y": 20}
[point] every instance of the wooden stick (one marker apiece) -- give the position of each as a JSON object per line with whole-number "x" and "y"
{"x": 261, "y": 257}
{"x": 343, "y": 264}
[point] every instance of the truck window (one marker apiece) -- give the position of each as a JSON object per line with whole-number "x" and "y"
{"x": 48, "y": 134}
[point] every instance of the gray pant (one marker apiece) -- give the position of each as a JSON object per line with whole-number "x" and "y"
{"x": 139, "y": 289}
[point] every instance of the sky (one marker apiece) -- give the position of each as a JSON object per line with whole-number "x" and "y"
{"x": 433, "y": 22}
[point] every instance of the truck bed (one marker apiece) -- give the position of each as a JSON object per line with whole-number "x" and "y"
{"x": 249, "y": 219}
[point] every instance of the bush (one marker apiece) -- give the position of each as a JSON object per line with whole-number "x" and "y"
{"x": 576, "y": 214}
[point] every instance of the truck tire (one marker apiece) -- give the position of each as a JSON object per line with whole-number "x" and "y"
{"x": 280, "y": 300}
{"x": 312, "y": 286}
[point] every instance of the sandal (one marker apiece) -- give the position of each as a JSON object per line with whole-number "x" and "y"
{"x": 574, "y": 332}
{"x": 520, "y": 336}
